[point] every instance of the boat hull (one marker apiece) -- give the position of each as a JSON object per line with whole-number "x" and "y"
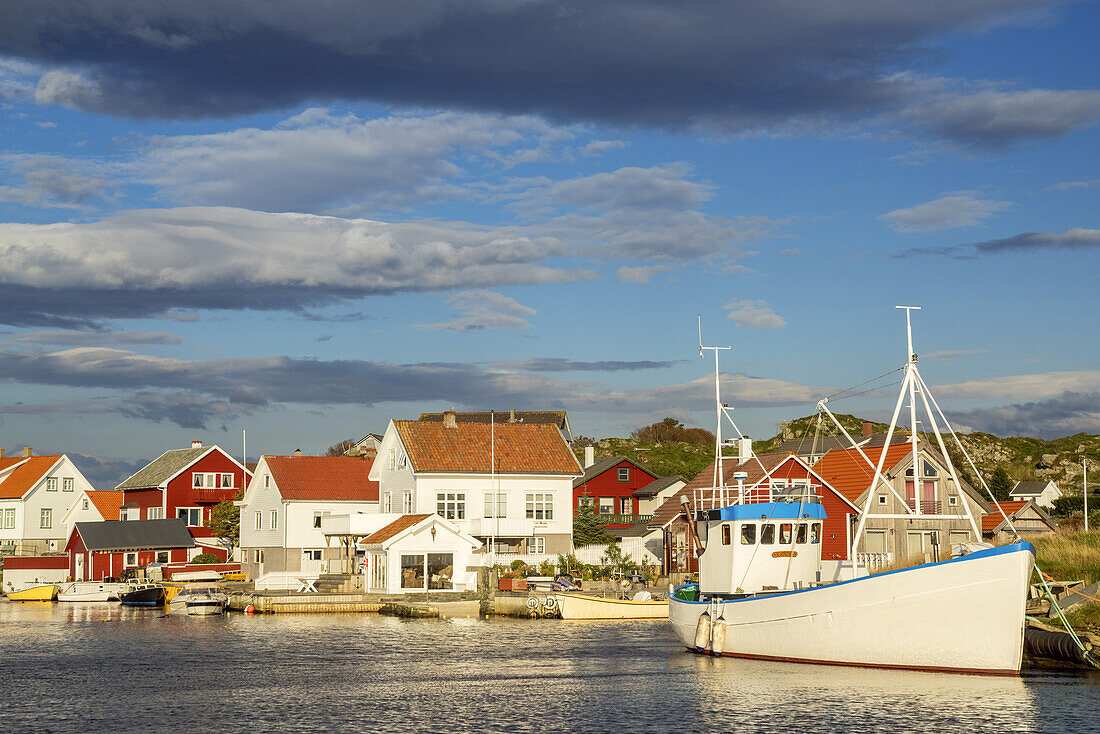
{"x": 205, "y": 607}
{"x": 42, "y": 592}
{"x": 962, "y": 615}
{"x": 88, "y": 592}
{"x": 149, "y": 596}
{"x": 580, "y": 606}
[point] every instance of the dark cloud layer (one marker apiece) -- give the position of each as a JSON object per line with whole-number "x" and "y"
{"x": 1076, "y": 238}
{"x": 556, "y": 364}
{"x": 1064, "y": 415}
{"x": 737, "y": 67}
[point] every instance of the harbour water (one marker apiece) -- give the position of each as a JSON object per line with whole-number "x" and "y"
{"x": 104, "y": 668}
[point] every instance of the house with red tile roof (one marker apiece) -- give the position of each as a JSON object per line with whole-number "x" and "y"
{"x": 94, "y": 505}
{"x": 35, "y": 494}
{"x": 1025, "y": 515}
{"x": 420, "y": 552}
{"x": 906, "y": 517}
{"x": 282, "y": 508}
{"x": 765, "y": 476}
{"x": 510, "y": 482}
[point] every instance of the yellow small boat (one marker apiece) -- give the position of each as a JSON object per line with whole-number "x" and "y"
{"x": 42, "y": 592}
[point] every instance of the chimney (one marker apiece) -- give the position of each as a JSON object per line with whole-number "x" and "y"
{"x": 1, "y": 453}
{"x": 589, "y": 456}
{"x": 512, "y": 415}
{"x": 196, "y": 444}
{"x": 27, "y": 451}
{"x": 867, "y": 428}
{"x": 449, "y": 419}
{"x": 297, "y": 452}
{"x": 744, "y": 448}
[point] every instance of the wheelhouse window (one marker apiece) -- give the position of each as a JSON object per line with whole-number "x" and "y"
{"x": 785, "y": 533}
{"x": 191, "y": 516}
{"x": 767, "y": 534}
{"x": 803, "y": 531}
{"x": 624, "y": 474}
{"x": 815, "y": 532}
{"x": 451, "y": 505}
{"x": 541, "y": 507}
{"x": 748, "y": 533}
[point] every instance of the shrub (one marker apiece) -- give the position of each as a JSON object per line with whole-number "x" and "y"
{"x": 206, "y": 558}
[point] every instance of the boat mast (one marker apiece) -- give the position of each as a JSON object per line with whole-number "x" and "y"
{"x": 910, "y": 366}
{"x": 719, "y": 480}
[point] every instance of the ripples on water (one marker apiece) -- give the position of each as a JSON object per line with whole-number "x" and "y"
{"x": 104, "y": 668}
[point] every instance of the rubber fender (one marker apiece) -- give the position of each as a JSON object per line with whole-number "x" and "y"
{"x": 1056, "y": 645}
{"x": 702, "y": 632}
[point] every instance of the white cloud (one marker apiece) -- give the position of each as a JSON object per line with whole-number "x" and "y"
{"x": 482, "y": 309}
{"x": 599, "y": 147}
{"x": 961, "y": 209}
{"x": 1071, "y": 185}
{"x": 1023, "y": 387}
{"x": 640, "y": 274}
{"x": 753, "y": 314}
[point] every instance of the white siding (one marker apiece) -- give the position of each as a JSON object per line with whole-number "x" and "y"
{"x": 263, "y": 500}
{"x": 300, "y": 532}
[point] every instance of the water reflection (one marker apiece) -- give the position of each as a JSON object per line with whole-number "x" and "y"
{"x": 103, "y": 667}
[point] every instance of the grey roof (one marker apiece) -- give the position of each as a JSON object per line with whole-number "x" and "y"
{"x": 121, "y": 535}
{"x": 805, "y": 446}
{"x": 636, "y": 530}
{"x": 651, "y": 489}
{"x": 1035, "y": 488}
{"x": 163, "y": 468}
{"x": 599, "y": 466}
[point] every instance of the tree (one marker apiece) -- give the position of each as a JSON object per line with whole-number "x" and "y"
{"x": 1000, "y": 485}
{"x": 587, "y": 529}
{"x": 670, "y": 430}
{"x": 340, "y": 448}
{"x": 225, "y": 521}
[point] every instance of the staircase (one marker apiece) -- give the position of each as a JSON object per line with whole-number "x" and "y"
{"x": 339, "y": 583}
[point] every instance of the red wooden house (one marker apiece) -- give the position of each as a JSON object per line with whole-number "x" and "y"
{"x": 607, "y": 489}
{"x": 766, "y": 472}
{"x": 185, "y": 484}
{"x": 99, "y": 550}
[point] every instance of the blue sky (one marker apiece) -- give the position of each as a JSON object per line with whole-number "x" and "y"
{"x": 216, "y": 218}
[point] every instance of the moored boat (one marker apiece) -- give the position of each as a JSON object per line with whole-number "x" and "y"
{"x": 583, "y": 606}
{"x": 205, "y": 602}
{"x": 39, "y": 592}
{"x": 88, "y": 591}
{"x": 142, "y": 594}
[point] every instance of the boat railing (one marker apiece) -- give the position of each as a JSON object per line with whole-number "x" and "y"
{"x": 875, "y": 561}
{"x": 712, "y": 498}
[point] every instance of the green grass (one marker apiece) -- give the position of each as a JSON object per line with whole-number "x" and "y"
{"x": 1069, "y": 556}
{"x": 664, "y": 460}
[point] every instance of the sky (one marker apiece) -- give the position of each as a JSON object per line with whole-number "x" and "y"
{"x": 301, "y": 220}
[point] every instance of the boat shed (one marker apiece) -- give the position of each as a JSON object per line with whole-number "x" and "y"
{"x": 419, "y": 553}
{"x": 99, "y": 550}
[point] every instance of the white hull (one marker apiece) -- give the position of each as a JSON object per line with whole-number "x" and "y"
{"x": 88, "y": 592}
{"x": 204, "y": 609}
{"x": 962, "y": 615}
{"x": 578, "y": 606}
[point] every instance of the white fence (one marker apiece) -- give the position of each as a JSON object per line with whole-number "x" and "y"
{"x": 633, "y": 548}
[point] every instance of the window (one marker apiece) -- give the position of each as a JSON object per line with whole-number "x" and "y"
{"x": 378, "y": 571}
{"x": 47, "y": 517}
{"x": 803, "y": 529}
{"x": 387, "y": 502}
{"x": 274, "y": 519}
{"x": 785, "y": 534}
{"x": 875, "y": 541}
{"x": 412, "y": 571}
{"x": 496, "y": 504}
{"x": 316, "y": 519}
{"x": 451, "y": 505}
{"x": 536, "y": 545}
{"x": 162, "y": 556}
{"x": 9, "y": 519}
{"x": 441, "y": 568}
{"x": 209, "y": 480}
{"x": 767, "y": 534}
{"x": 244, "y": 556}
{"x": 626, "y": 506}
{"x": 393, "y": 458}
{"x": 259, "y": 520}
{"x": 51, "y": 484}
{"x": 191, "y": 516}
{"x": 84, "y": 504}
{"x": 959, "y": 536}
{"x": 259, "y": 557}
{"x": 607, "y": 506}
{"x": 815, "y": 533}
{"x": 624, "y": 473}
{"x": 129, "y": 560}
{"x": 67, "y": 484}
{"x": 953, "y": 500}
{"x": 748, "y": 533}
{"x": 312, "y": 555}
{"x": 153, "y": 513}
{"x": 406, "y": 502}
{"x": 726, "y": 534}
{"x": 541, "y": 506}
{"x": 882, "y": 499}
{"x": 267, "y": 481}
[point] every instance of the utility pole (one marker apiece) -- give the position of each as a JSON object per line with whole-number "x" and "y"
{"x": 1085, "y": 489}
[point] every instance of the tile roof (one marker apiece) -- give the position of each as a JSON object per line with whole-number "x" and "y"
{"x": 599, "y": 466}
{"x": 118, "y": 535}
{"x": 993, "y": 520}
{"x": 26, "y": 475}
{"x": 520, "y": 448}
{"x": 163, "y": 468}
{"x": 402, "y": 523}
{"x": 670, "y": 508}
{"x": 557, "y": 417}
{"x": 849, "y": 473}
{"x": 339, "y": 478}
{"x": 651, "y": 489}
{"x": 9, "y": 461}
{"x": 107, "y": 501}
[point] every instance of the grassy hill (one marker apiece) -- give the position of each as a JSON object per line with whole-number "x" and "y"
{"x": 663, "y": 459}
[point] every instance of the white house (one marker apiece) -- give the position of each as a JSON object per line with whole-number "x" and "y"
{"x": 35, "y": 494}
{"x": 94, "y": 505}
{"x": 420, "y": 553}
{"x": 511, "y": 483}
{"x": 282, "y": 508}
{"x": 1041, "y": 493}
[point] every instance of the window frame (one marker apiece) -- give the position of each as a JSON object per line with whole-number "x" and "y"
{"x": 126, "y": 562}
{"x": 406, "y": 502}
{"x": 66, "y": 484}
{"x": 45, "y": 518}
{"x": 497, "y": 504}
{"x": 190, "y": 511}
{"x": 153, "y": 513}
{"x": 535, "y": 544}
{"x": 259, "y": 520}
{"x": 51, "y": 484}
{"x": 450, "y": 506}
{"x": 623, "y": 474}
{"x": 7, "y": 518}
{"x": 274, "y": 519}
{"x": 748, "y": 533}
{"x": 536, "y": 502}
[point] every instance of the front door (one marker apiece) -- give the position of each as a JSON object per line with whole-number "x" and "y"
{"x": 80, "y": 567}
{"x": 920, "y": 544}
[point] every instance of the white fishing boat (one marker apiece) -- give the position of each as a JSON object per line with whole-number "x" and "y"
{"x": 584, "y": 606}
{"x": 760, "y": 592}
{"x": 89, "y": 591}
{"x": 203, "y": 602}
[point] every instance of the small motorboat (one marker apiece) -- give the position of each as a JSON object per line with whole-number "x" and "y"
{"x": 39, "y": 592}
{"x": 88, "y": 591}
{"x": 204, "y": 602}
{"x": 583, "y": 606}
{"x": 142, "y": 594}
